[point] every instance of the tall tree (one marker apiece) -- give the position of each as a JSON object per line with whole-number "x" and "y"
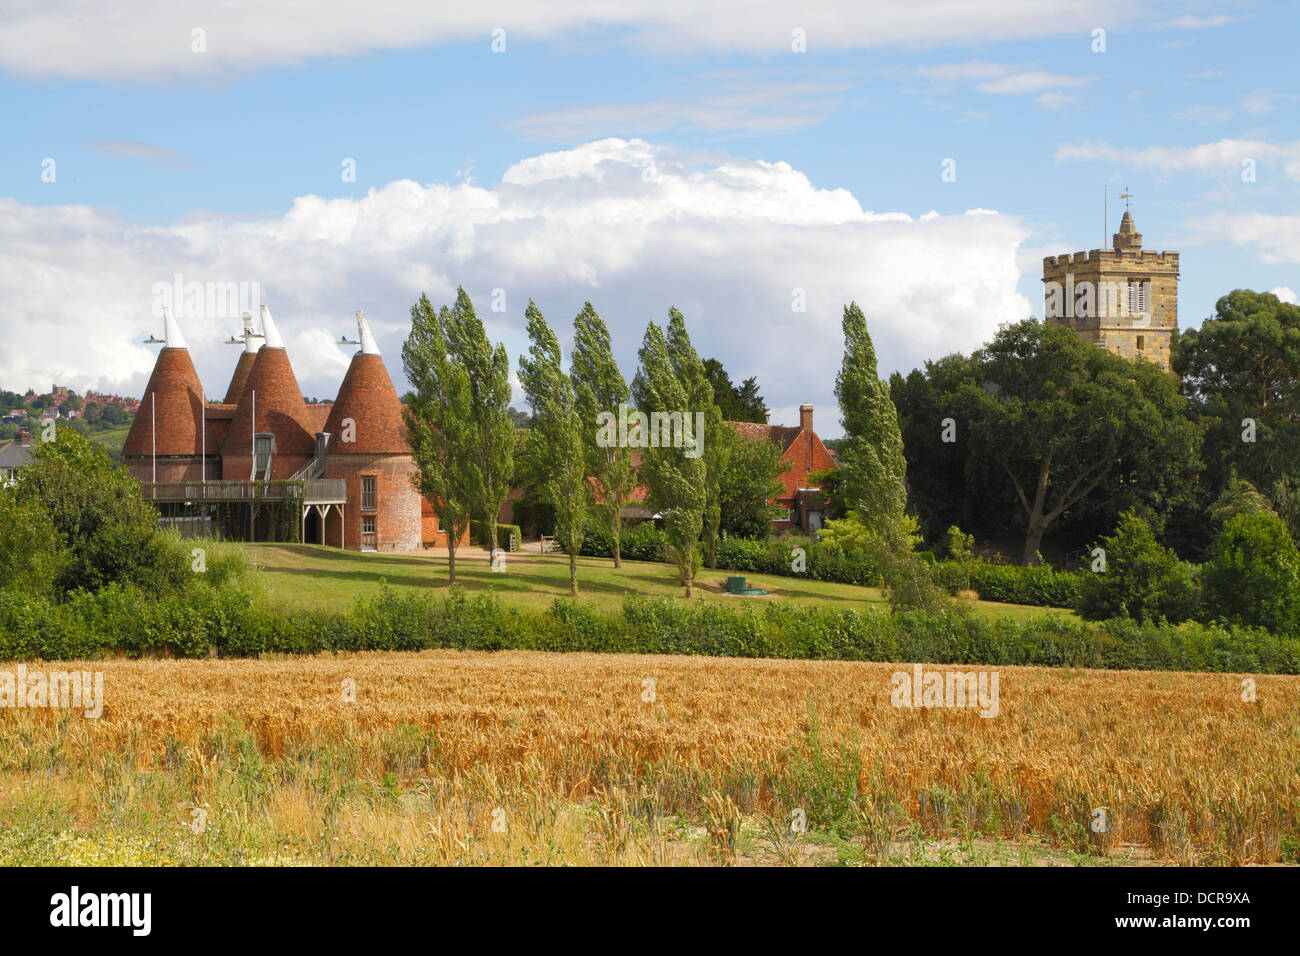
{"x": 487, "y": 370}
{"x": 675, "y": 479}
{"x": 438, "y": 417}
{"x": 556, "y": 437}
{"x": 741, "y": 403}
{"x": 598, "y": 386}
{"x": 748, "y": 486}
{"x": 872, "y": 460}
{"x": 1064, "y": 420}
{"x": 716, "y": 439}
{"x": 1241, "y": 376}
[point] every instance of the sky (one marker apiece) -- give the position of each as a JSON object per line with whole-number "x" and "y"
{"x": 756, "y": 165}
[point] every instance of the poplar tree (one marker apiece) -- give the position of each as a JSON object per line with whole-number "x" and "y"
{"x": 598, "y": 386}
{"x": 872, "y": 458}
{"x": 556, "y": 438}
{"x": 487, "y": 371}
{"x": 717, "y": 440}
{"x": 675, "y": 481}
{"x": 437, "y": 415}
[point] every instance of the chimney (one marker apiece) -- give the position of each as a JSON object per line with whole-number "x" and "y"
{"x": 805, "y": 417}
{"x": 24, "y": 437}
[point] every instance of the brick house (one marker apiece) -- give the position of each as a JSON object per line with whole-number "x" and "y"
{"x": 802, "y": 452}
{"x": 340, "y": 471}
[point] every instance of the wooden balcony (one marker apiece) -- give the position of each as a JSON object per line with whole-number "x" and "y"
{"x": 312, "y": 491}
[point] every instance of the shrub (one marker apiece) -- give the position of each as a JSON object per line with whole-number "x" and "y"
{"x": 1252, "y": 575}
{"x": 1037, "y": 585}
{"x": 509, "y": 536}
{"x": 1142, "y": 580}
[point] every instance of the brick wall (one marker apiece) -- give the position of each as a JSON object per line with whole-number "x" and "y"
{"x": 397, "y": 513}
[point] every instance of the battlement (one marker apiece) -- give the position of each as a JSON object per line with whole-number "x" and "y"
{"x": 1105, "y": 257}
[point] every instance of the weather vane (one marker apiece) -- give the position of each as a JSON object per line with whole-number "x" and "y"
{"x": 1126, "y": 196}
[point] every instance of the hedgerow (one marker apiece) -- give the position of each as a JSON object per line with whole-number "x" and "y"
{"x": 232, "y": 623}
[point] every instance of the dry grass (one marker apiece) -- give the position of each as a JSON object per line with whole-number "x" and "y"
{"x": 520, "y": 757}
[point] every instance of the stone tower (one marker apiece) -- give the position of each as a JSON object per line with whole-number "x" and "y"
{"x": 1121, "y": 299}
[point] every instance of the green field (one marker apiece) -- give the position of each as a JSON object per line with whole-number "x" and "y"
{"x": 328, "y": 577}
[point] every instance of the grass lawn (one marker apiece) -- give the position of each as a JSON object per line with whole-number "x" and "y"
{"x": 328, "y": 577}
{"x": 111, "y": 439}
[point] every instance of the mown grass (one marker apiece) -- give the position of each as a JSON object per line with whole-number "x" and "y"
{"x": 314, "y": 575}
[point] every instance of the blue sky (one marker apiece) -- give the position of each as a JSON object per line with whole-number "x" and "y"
{"x": 162, "y": 153}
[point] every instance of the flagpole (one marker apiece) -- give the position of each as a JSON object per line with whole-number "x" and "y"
{"x": 153, "y": 415}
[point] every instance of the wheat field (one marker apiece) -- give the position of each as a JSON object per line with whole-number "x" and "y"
{"x": 446, "y": 757}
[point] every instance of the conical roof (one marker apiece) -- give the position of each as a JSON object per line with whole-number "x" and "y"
{"x": 175, "y": 396}
{"x": 368, "y": 398}
{"x": 272, "y": 393}
{"x": 244, "y": 367}
{"x": 239, "y": 381}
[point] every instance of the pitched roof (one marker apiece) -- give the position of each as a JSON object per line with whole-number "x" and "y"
{"x": 782, "y": 436}
{"x": 14, "y": 455}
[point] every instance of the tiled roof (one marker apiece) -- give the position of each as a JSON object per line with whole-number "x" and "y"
{"x": 280, "y": 410}
{"x": 15, "y": 455}
{"x": 179, "y": 404}
{"x": 368, "y": 398}
{"x": 239, "y": 381}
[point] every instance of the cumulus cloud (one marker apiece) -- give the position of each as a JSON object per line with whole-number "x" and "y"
{"x": 1285, "y": 293}
{"x": 154, "y": 40}
{"x": 735, "y": 244}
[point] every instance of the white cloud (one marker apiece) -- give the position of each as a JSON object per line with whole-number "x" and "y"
{"x": 1032, "y": 82}
{"x": 152, "y": 40}
{"x": 1057, "y": 101}
{"x": 1285, "y": 293}
{"x": 744, "y": 107}
{"x": 726, "y": 240}
{"x": 1275, "y": 239}
{"x": 1222, "y": 156}
{"x": 1190, "y": 22}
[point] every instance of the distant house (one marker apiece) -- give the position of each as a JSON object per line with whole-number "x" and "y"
{"x": 803, "y": 504}
{"x": 802, "y": 452}
{"x": 13, "y": 458}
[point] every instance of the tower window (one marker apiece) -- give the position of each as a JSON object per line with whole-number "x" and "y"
{"x": 1138, "y": 296}
{"x": 369, "y": 497}
{"x": 1139, "y": 343}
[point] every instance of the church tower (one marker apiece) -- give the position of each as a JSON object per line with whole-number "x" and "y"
{"x": 1122, "y": 299}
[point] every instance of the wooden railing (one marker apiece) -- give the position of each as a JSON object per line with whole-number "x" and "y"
{"x": 221, "y": 490}
{"x": 321, "y": 491}
{"x": 312, "y": 491}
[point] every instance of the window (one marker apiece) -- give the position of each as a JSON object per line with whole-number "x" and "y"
{"x": 369, "y": 498}
{"x": 1139, "y": 343}
{"x": 367, "y": 524}
{"x": 1138, "y": 296}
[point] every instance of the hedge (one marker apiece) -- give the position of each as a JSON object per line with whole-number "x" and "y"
{"x": 128, "y": 621}
{"x": 644, "y": 542}
{"x": 509, "y": 536}
{"x": 1039, "y": 586}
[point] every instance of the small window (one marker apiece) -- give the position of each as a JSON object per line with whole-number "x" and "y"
{"x": 369, "y": 499}
{"x": 367, "y": 524}
{"x": 1140, "y": 343}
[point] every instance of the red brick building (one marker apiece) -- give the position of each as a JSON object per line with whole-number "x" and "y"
{"x": 263, "y": 459}
{"x": 802, "y": 452}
